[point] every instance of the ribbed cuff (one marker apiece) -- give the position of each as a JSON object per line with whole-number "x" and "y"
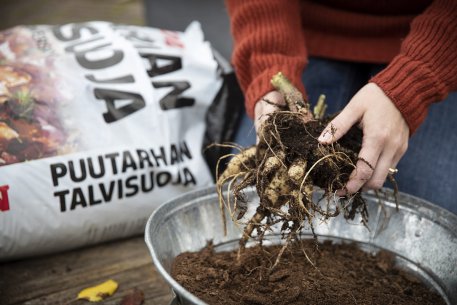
{"x": 261, "y": 85}
{"x": 412, "y": 87}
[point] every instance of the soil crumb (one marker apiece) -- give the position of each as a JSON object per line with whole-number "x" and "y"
{"x": 333, "y": 274}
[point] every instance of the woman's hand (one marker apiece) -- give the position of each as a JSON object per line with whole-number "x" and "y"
{"x": 270, "y": 102}
{"x": 385, "y": 136}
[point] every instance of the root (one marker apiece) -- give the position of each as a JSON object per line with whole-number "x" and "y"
{"x": 254, "y": 222}
{"x": 281, "y": 252}
{"x": 245, "y": 160}
{"x": 395, "y": 185}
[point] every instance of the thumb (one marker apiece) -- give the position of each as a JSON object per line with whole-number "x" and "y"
{"x": 340, "y": 125}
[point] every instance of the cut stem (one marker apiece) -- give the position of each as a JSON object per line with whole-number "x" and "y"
{"x": 293, "y": 97}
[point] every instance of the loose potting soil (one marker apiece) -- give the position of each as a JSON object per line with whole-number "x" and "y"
{"x": 333, "y": 274}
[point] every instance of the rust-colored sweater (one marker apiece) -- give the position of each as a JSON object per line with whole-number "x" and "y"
{"x": 417, "y": 38}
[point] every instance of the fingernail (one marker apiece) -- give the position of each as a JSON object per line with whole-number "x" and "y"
{"x": 325, "y": 137}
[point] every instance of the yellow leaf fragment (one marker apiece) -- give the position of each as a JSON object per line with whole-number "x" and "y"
{"x": 99, "y": 292}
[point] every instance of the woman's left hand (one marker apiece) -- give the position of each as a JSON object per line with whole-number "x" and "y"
{"x": 385, "y": 136}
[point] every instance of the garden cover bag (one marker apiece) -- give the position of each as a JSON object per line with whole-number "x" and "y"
{"x": 99, "y": 124}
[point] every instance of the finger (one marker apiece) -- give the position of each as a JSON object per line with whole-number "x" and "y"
{"x": 340, "y": 125}
{"x": 271, "y": 102}
{"x": 386, "y": 161}
{"x": 368, "y": 158}
{"x": 266, "y": 110}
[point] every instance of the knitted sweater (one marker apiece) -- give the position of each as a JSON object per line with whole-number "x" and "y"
{"x": 418, "y": 40}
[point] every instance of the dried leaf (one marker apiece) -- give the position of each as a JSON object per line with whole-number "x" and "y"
{"x": 136, "y": 297}
{"x": 99, "y": 292}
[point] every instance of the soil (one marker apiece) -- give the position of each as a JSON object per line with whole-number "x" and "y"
{"x": 324, "y": 175}
{"x": 342, "y": 274}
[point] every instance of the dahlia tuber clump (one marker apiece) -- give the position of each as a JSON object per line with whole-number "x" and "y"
{"x": 285, "y": 167}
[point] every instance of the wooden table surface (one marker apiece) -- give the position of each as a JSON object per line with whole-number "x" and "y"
{"x": 58, "y": 278}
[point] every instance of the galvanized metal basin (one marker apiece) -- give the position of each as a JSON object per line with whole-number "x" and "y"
{"x": 421, "y": 235}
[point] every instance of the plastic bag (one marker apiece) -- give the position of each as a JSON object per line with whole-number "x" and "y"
{"x": 99, "y": 124}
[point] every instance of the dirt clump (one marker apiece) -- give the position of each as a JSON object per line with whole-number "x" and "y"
{"x": 340, "y": 274}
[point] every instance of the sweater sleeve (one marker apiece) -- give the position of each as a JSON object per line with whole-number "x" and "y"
{"x": 425, "y": 71}
{"x": 268, "y": 38}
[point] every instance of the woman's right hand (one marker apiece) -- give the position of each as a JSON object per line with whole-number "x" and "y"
{"x": 270, "y": 102}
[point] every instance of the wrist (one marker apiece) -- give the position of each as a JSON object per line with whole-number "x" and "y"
{"x": 412, "y": 87}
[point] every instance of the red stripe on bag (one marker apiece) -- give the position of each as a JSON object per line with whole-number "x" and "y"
{"x": 4, "y": 202}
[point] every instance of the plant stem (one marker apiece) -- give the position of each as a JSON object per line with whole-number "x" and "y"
{"x": 293, "y": 97}
{"x": 319, "y": 109}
